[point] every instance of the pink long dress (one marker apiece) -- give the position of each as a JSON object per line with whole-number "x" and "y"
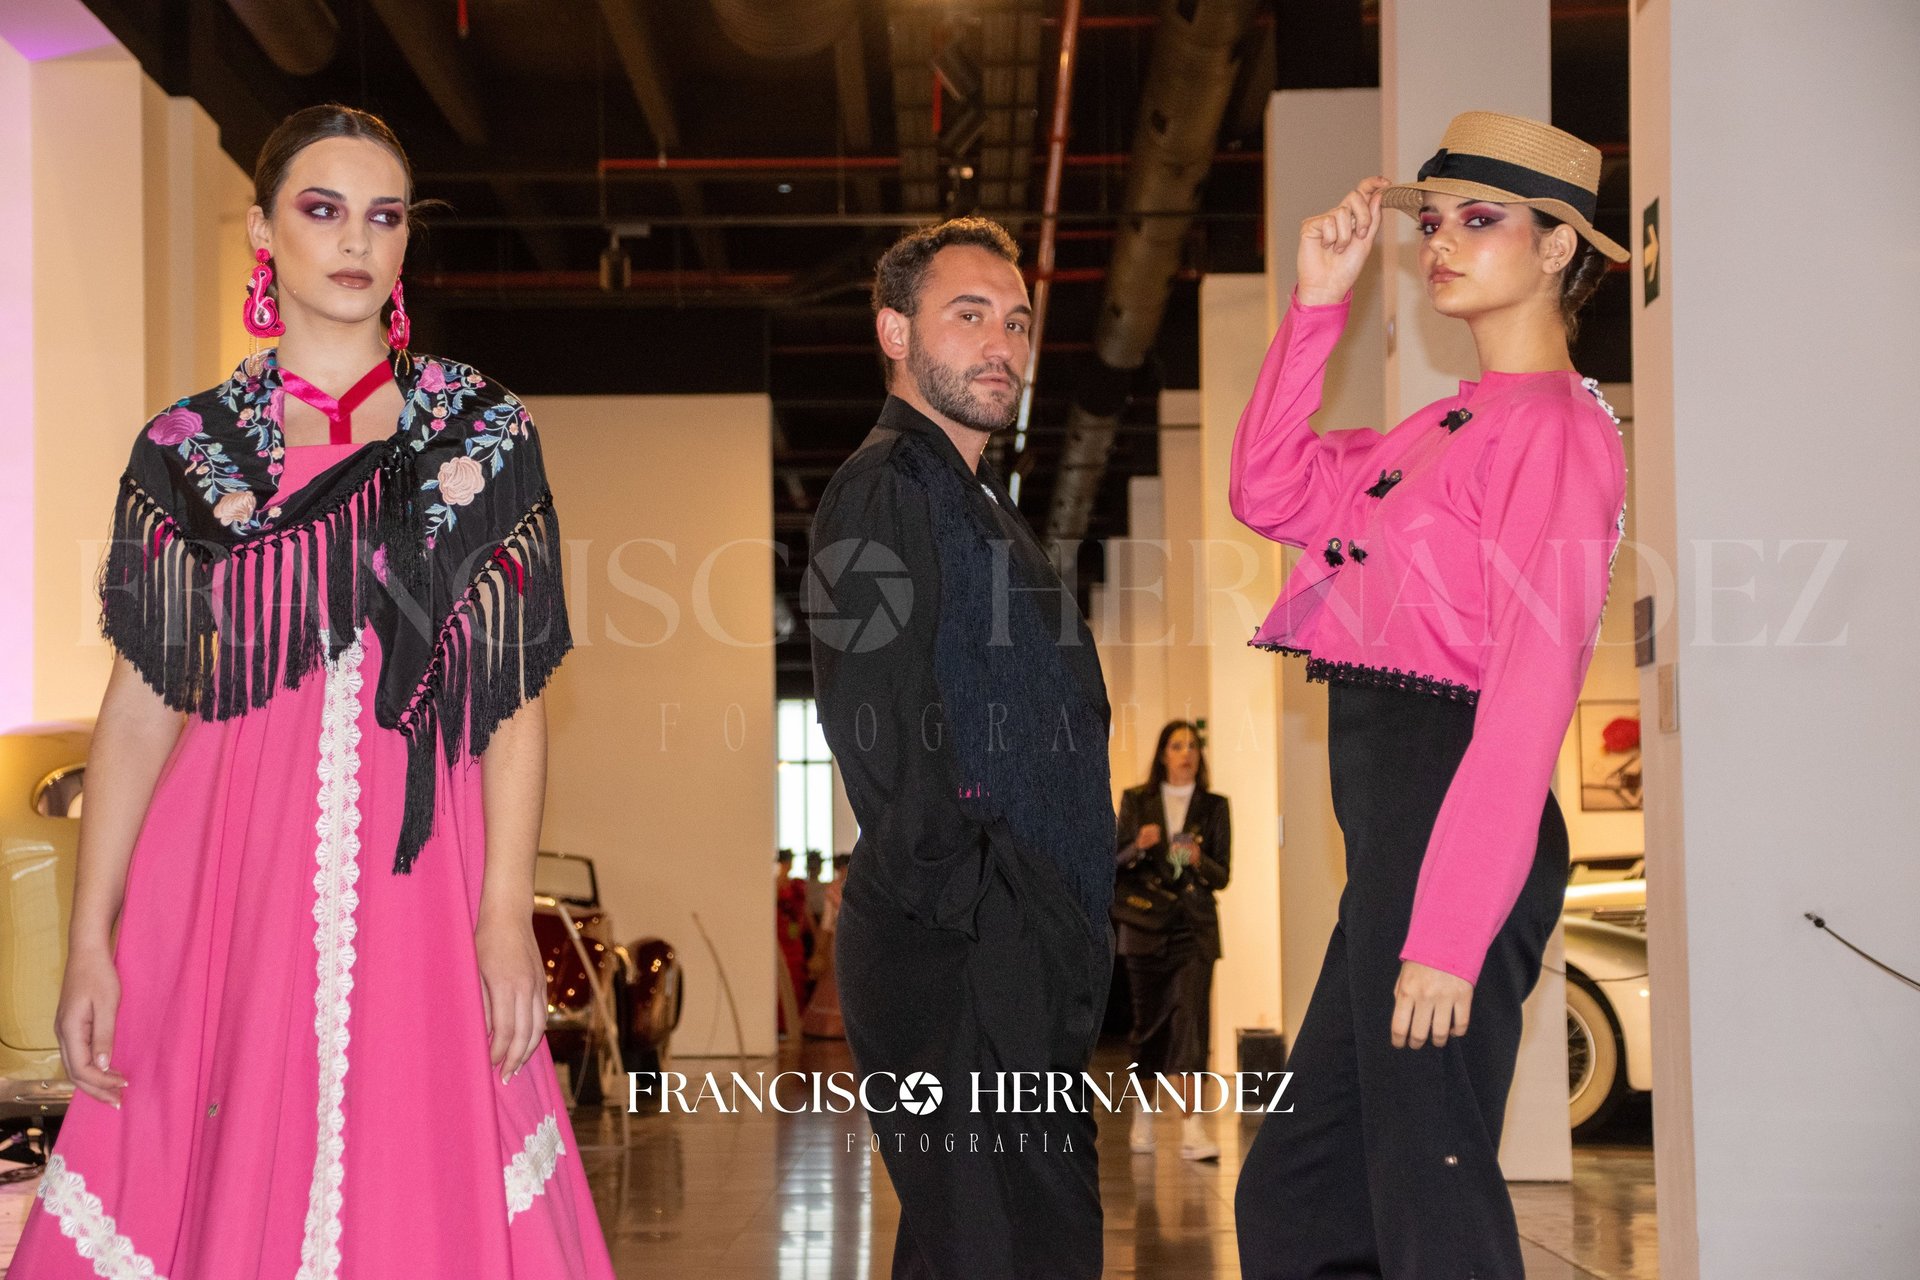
{"x": 303, "y": 1032}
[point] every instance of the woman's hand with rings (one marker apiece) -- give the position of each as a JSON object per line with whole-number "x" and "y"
{"x": 1149, "y": 836}
{"x": 1334, "y": 245}
{"x": 1429, "y": 1004}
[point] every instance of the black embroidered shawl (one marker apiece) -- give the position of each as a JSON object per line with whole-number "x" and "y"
{"x": 1021, "y": 682}
{"x": 442, "y": 536}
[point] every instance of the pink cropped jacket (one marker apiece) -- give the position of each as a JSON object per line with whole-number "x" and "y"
{"x": 1465, "y": 554}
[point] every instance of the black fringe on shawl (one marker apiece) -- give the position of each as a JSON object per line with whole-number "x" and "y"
{"x": 495, "y": 651}
{"x": 202, "y": 622}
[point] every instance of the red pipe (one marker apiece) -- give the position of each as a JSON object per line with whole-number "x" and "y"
{"x": 832, "y": 164}
{"x": 1135, "y": 21}
{"x": 1050, "y": 208}
{"x": 505, "y": 280}
{"x": 720, "y": 164}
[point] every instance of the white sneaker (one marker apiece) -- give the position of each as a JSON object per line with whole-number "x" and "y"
{"x": 1194, "y": 1142}
{"x": 1141, "y": 1142}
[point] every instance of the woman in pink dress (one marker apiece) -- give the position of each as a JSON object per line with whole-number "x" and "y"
{"x": 314, "y": 1046}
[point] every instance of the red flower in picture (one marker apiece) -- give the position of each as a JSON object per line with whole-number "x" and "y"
{"x": 1621, "y": 734}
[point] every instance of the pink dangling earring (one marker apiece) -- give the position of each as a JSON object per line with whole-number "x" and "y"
{"x": 399, "y": 328}
{"x": 262, "y": 314}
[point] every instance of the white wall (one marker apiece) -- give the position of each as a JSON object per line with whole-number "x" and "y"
{"x": 1181, "y": 501}
{"x": 130, "y": 197}
{"x": 1239, "y": 575}
{"x": 662, "y": 757}
{"x": 1437, "y": 59}
{"x": 1783, "y": 356}
{"x": 1319, "y": 143}
{"x": 16, "y": 374}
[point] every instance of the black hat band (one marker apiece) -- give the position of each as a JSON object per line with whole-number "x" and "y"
{"x": 1527, "y": 183}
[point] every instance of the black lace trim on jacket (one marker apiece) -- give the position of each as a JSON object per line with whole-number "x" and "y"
{"x": 1355, "y": 673}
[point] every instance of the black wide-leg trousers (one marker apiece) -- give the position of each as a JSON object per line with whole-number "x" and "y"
{"x": 1387, "y": 1166}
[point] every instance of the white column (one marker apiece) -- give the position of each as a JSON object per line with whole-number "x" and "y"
{"x": 1437, "y": 59}
{"x": 132, "y": 207}
{"x": 90, "y": 389}
{"x": 1774, "y": 377}
{"x": 662, "y": 717}
{"x": 1319, "y": 143}
{"x": 1108, "y": 627}
{"x": 1144, "y": 558}
{"x": 1239, "y": 576}
{"x": 1181, "y": 500}
{"x": 16, "y": 374}
{"x": 196, "y": 254}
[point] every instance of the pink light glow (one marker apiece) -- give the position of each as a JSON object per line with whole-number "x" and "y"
{"x": 42, "y": 29}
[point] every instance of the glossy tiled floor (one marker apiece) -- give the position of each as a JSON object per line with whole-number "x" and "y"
{"x": 764, "y": 1197}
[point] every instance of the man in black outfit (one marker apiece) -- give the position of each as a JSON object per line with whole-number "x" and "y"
{"x": 960, "y": 692}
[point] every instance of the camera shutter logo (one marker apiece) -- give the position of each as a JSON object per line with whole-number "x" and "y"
{"x": 920, "y": 1093}
{"x": 845, "y": 568}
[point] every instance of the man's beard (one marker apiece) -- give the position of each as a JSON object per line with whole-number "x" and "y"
{"x": 951, "y": 393}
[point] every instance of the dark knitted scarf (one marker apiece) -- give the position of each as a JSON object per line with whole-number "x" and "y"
{"x": 442, "y": 537}
{"x": 1021, "y": 684}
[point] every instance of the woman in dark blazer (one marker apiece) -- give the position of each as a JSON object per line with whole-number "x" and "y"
{"x": 1186, "y": 831}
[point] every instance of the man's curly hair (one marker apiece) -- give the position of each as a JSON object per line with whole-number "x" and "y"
{"x": 902, "y": 272}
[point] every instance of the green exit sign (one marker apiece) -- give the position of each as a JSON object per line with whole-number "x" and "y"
{"x": 1650, "y": 251}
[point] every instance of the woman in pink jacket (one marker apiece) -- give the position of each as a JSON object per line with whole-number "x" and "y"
{"x": 1450, "y": 595}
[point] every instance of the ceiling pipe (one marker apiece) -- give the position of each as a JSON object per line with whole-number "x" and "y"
{"x": 639, "y": 228}
{"x": 1197, "y": 50}
{"x": 1049, "y": 220}
{"x": 783, "y": 29}
{"x": 298, "y": 36}
{"x": 692, "y": 278}
{"x": 422, "y": 41}
{"x": 634, "y": 45}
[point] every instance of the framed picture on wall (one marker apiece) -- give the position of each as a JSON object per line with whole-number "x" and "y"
{"x": 1609, "y": 756}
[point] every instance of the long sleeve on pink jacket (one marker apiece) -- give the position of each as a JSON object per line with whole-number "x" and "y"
{"x": 1285, "y": 477}
{"x": 1552, "y": 484}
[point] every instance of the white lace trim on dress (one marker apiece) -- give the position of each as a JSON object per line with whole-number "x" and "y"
{"x": 527, "y": 1173}
{"x": 337, "y": 856}
{"x": 85, "y": 1222}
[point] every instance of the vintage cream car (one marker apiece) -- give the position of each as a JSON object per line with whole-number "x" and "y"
{"x": 1609, "y": 1023}
{"x": 42, "y": 777}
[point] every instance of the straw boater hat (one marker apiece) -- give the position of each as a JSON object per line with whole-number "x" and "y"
{"x": 1513, "y": 160}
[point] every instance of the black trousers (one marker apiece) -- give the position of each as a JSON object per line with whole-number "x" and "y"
{"x": 1388, "y": 1166}
{"x": 1172, "y": 992}
{"x": 1011, "y": 1192}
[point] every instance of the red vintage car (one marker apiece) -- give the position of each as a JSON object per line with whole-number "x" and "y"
{"x": 611, "y": 1008}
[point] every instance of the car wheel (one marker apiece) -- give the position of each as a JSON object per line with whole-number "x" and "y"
{"x": 1596, "y": 1079}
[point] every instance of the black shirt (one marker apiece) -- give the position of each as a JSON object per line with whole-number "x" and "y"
{"x": 873, "y": 599}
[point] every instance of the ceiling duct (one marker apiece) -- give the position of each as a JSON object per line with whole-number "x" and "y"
{"x": 298, "y": 36}
{"x": 1197, "y": 50}
{"x": 966, "y": 88}
{"x": 783, "y": 28}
